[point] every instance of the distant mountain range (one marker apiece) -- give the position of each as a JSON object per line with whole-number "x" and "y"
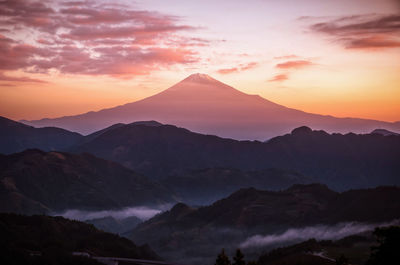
{"x": 34, "y": 181}
{"x": 205, "y": 105}
{"x": 196, "y": 234}
{"x": 341, "y": 161}
{"x": 173, "y": 155}
{"x": 16, "y": 137}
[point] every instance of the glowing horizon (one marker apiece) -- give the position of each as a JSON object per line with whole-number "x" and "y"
{"x": 61, "y": 58}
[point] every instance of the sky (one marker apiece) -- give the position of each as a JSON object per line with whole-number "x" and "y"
{"x": 60, "y": 58}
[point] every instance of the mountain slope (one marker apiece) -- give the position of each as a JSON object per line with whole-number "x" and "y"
{"x": 341, "y": 161}
{"x": 57, "y": 238}
{"x": 38, "y": 182}
{"x": 203, "y": 104}
{"x": 185, "y": 233}
{"x": 16, "y": 137}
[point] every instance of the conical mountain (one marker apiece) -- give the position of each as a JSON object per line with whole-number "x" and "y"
{"x": 203, "y": 104}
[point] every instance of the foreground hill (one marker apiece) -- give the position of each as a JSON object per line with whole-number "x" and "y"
{"x": 203, "y": 104}
{"x": 188, "y": 233}
{"x": 34, "y": 181}
{"x": 341, "y": 161}
{"x": 53, "y": 239}
{"x": 16, "y": 137}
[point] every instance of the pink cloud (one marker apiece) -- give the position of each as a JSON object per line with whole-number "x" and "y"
{"x": 279, "y": 78}
{"x": 290, "y": 56}
{"x": 95, "y": 39}
{"x": 20, "y": 79}
{"x": 375, "y": 42}
{"x": 294, "y": 64}
{"x": 240, "y": 68}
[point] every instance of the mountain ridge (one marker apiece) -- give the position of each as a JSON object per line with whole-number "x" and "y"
{"x": 206, "y": 105}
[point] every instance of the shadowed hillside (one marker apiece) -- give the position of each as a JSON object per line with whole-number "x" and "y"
{"x": 34, "y": 181}
{"x": 198, "y": 233}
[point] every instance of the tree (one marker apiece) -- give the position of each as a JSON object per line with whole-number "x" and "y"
{"x": 388, "y": 250}
{"x": 222, "y": 259}
{"x": 342, "y": 260}
{"x": 238, "y": 259}
{"x": 252, "y": 262}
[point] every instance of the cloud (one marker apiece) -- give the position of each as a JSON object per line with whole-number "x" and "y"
{"x": 140, "y": 212}
{"x": 319, "y": 232}
{"x": 362, "y": 31}
{"x": 20, "y": 79}
{"x": 290, "y": 56}
{"x": 240, "y": 68}
{"x": 372, "y": 42}
{"x": 294, "y": 64}
{"x": 279, "y": 78}
{"x": 83, "y": 37}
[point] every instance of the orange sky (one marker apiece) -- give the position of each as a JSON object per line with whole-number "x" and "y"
{"x": 330, "y": 57}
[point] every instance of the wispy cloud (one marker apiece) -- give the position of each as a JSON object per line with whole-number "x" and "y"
{"x": 279, "y": 78}
{"x": 371, "y": 32}
{"x": 286, "y": 57}
{"x": 141, "y": 212}
{"x": 294, "y": 64}
{"x": 319, "y": 232}
{"x": 239, "y": 68}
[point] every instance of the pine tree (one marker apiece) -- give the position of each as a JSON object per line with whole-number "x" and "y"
{"x": 239, "y": 258}
{"x": 222, "y": 259}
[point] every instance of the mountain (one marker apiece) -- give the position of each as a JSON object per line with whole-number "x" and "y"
{"x": 16, "y": 137}
{"x": 205, "y": 186}
{"x": 43, "y": 239}
{"x": 34, "y": 181}
{"x": 198, "y": 234}
{"x": 384, "y": 132}
{"x": 341, "y": 161}
{"x": 115, "y": 226}
{"x": 203, "y": 104}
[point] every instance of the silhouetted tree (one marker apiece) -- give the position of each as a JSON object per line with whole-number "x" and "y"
{"x": 252, "y": 262}
{"x": 388, "y": 251}
{"x": 342, "y": 260}
{"x": 238, "y": 259}
{"x": 222, "y": 259}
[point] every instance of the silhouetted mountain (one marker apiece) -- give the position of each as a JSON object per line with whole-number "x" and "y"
{"x": 51, "y": 240}
{"x": 341, "y": 161}
{"x": 203, "y": 104}
{"x": 112, "y": 225}
{"x": 16, "y": 137}
{"x": 34, "y": 181}
{"x": 383, "y": 132}
{"x": 247, "y": 212}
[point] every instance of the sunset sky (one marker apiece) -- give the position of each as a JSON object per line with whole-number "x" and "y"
{"x": 337, "y": 57}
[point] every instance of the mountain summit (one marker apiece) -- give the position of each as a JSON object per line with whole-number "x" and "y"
{"x": 200, "y": 78}
{"x": 203, "y": 104}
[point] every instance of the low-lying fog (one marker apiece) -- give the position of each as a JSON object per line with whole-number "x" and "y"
{"x": 318, "y": 232}
{"x": 142, "y": 212}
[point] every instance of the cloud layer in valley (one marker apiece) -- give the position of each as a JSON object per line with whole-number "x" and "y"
{"x": 318, "y": 232}
{"x": 140, "y": 212}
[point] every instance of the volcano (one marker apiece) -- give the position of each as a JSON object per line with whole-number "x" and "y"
{"x": 205, "y": 105}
